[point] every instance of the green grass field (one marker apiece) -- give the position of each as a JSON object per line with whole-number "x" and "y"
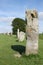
{"x": 7, "y": 53}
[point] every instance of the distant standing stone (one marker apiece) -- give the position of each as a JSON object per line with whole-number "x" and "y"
{"x": 18, "y": 33}
{"x": 21, "y": 36}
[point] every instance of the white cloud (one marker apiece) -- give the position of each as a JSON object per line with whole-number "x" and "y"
{"x": 40, "y": 22}
{"x": 40, "y": 15}
{"x": 7, "y": 19}
{"x": 6, "y": 13}
{"x": 16, "y": 13}
{"x": 4, "y": 29}
{"x": 5, "y": 24}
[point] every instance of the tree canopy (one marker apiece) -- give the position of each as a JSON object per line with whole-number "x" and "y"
{"x": 18, "y": 23}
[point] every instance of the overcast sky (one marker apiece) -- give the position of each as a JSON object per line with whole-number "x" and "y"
{"x": 10, "y": 9}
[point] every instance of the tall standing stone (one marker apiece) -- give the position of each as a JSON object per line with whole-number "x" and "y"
{"x": 18, "y": 33}
{"x": 32, "y": 32}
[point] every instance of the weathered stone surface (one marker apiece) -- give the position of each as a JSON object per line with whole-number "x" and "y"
{"x": 21, "y": 36}
{"x": 18, "y": 33}
{"x": 32, "y": 32}
{"x": 17, "y": 55}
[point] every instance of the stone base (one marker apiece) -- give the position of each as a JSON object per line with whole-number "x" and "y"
{"x": 31, "y": 47}
{"x": 17, "y": 55}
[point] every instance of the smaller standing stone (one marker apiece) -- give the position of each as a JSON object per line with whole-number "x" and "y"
{"x": 18, "y": 33}
{"x": 21, "y": 36}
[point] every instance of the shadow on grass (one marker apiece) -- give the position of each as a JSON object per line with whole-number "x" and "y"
{"x": 21, "y": 49}
{"x": 18, "y": 48}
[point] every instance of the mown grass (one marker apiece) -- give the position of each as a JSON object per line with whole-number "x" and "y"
{"x": 7, "y": 53}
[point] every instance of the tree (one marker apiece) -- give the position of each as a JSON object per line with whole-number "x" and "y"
{"x": 18, "y": 23}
